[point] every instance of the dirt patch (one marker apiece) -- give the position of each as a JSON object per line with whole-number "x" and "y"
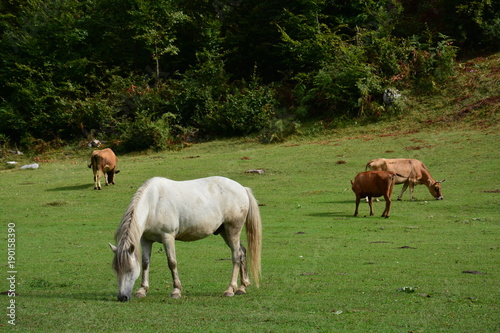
{"x": 413, "y": 148}
{"x": 57, "y": 203}
{"x": 493, "y": 191}
{"x": 493, "y": 100}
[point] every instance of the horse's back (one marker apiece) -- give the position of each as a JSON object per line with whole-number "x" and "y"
{"x": 209, "y": 187}
{"x": 194, "y": 209}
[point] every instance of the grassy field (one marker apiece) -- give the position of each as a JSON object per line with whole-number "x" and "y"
{"x": 323, "y": 269}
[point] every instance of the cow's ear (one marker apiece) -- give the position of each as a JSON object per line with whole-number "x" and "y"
{"x": 113, "y": 248}
{"x": 442, "y": 181}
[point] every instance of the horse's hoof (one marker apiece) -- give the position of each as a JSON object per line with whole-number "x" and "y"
{"x": 228, "y": 294}
{"x": 140, "y": 294}
{"x": 240, "y": 292}
{"x": 175, "y": 294}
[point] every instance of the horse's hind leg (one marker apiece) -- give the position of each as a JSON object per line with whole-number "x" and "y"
{"x": 146, "y": 255}
{"x": 169, "y": 245}
{"x": 245, "y": 281}
{"x": 232, "y": 239}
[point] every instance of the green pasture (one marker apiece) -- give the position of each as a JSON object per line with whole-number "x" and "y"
{"x": 323, "y": 269}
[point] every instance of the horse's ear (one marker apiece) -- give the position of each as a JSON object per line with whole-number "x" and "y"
{"x": 113, "y": 248}
{"x": 131, "y": 249}
{"x": 442, "y": 181}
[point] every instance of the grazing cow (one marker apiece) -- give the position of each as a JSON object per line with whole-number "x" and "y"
{"x": 374, "y": 184}
{"x": 103, "y": 161}
{"x": 415, "y": 172}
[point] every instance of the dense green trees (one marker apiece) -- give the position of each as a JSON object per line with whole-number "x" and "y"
{"x": 158, "y": 73}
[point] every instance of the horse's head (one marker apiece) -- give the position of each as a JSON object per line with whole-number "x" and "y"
{"x": 127, "y": 267}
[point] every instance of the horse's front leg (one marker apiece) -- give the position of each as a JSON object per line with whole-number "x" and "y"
{"x": 146, "y": 256}
{"x": 169, "y": 245}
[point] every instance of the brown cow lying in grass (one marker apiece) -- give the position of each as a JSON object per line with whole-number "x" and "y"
{"x": 374, "y": 184}
{"x": 103, "y": 161}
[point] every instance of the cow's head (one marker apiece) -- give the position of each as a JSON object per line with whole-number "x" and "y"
{"x": 111, "y": 176}
{"x": 435, "y": 189}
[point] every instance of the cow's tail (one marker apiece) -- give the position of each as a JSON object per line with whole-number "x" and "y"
{"x": 254, "y": 236}
{"x": 368, "y": 165}
{"x": 94, "y": 161}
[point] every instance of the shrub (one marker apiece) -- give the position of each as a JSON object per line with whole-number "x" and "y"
{"x": 277, "y": 130}
{"x": 243, "y": 110}
{"x": 146, "y": 133}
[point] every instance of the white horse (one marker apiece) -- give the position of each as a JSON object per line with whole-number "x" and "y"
{"x": 164, "y": 210}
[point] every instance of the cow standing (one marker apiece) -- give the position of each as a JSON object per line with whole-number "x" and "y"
{"x": 103, "y": 161}
{"x": 414, "y": 172}
{"x": 374, "y": 184}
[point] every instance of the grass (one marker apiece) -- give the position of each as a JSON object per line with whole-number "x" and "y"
{"x": 323, "y": 269}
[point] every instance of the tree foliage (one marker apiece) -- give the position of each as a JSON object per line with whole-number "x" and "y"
{"x": 151, "y": 74}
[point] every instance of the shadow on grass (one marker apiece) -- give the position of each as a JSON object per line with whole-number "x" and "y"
{"x": 338, "y": 202}
{"x": 110, "y": 297}
{"x": 330, "y": 214}
{"x": 72, "y": 188}
{"x": 100, "y": 296}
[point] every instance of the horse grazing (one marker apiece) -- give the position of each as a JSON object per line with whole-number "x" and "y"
{"x": 163, "y": 210}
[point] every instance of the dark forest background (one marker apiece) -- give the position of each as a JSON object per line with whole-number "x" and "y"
{"x": 156, "y": 74}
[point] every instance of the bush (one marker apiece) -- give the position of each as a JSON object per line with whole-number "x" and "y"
{"x": 277, "y": 130}
{"x": 146, "y": 133}
{"x": 243, "y": 110}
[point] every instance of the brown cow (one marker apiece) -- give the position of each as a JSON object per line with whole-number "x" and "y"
{"x": 103, "y": 161}
{"x": 413, "y": 172}
{"x": 374, "y": 184}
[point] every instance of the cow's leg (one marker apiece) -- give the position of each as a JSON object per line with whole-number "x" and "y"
{"x": 370, "y": 202}
{"x": 169, "y": 245}
{"x": 387, "y": 198}
{"x": 376, "y": 199}
{"x": 97, "y": 178}
{"x": 358, "y": 199}
{"x": 412, "y": 187}
{"x": 146, "y": 256}
{"x": 405, "y": 186}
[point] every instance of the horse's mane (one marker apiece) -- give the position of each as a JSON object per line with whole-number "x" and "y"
{"x": 128, "y": 234}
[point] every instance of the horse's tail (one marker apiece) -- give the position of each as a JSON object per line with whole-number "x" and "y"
{"x": 254, "y": 236}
